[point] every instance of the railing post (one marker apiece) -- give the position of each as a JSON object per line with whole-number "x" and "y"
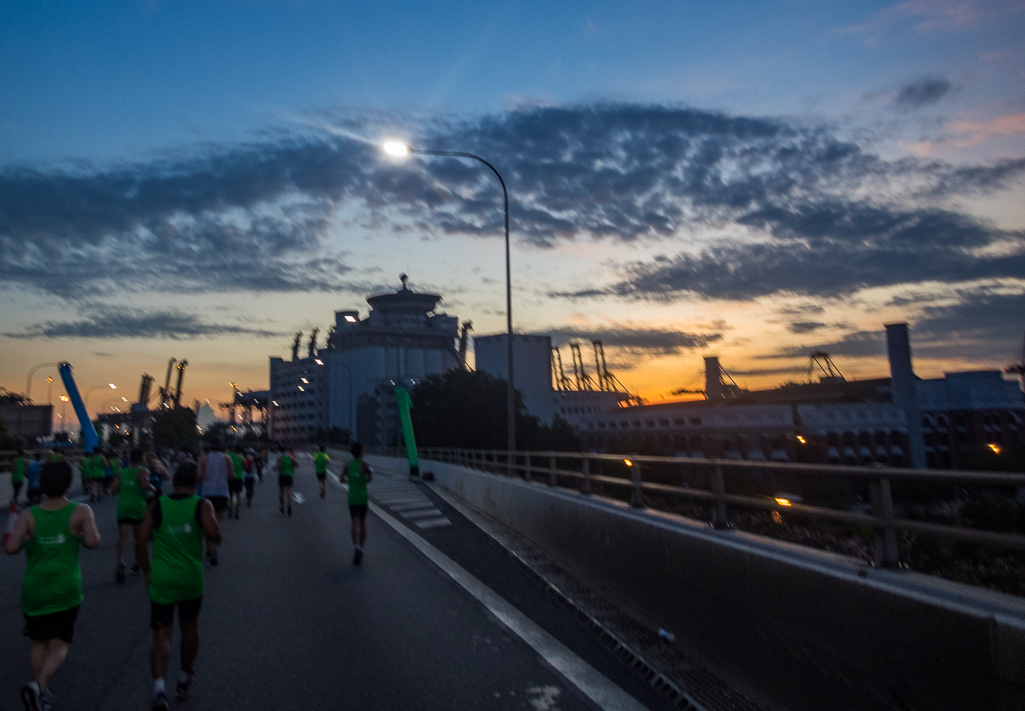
{"x": 719, "y": 519}
{"x": 886, "y": 555}
{"x": 586, "y": 491}
{"x": 637, "y": 498}
{"x": 509, "y": 462}
{"x": 552, "y": 480}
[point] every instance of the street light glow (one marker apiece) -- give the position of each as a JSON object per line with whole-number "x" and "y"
{"x": 64, "y": 398}
{"x": 112, "y": 386}
{"x": 318, "y": 361}
{"x": 396, "y": 148}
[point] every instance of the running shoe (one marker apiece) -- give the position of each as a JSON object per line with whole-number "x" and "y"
{"x": 289, "y": 510}
{"x": 159, "y": 702}
{"x": 46, "y": 702}
{"x": 119, "y": 576}
{"x": 322, "y": 494}
{"x": 182, "y": 691}
{"x": 30, "y": 696}
{"x": 357, "y": 557}
{"x": 282, "y": 509}
{"x": 136, "y": 568}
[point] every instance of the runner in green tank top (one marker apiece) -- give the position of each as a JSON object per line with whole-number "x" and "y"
{"x": 358, "y": 474}
{"x": 51, "y": 591}
{"x": 286, "y": 479}
{"x": 97, "y": 468}
{"x": 320, "y": 460}
{"x": 130, "y": 485}
{"x": 18, "y": 475}
{"x": 179, "y": 523}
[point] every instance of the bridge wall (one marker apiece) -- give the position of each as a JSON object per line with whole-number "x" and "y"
{"x": 810, "y": 630}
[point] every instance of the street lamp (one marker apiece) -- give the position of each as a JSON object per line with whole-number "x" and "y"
{"x": 399, "y": 149}
{"x": 93, "y": 389}
{"x": 31, "y": 372}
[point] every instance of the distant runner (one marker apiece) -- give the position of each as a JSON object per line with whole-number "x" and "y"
{"x": 178, "y": 523}
{"x": 131, "y": 485}
{"x": 358, "y": 474}
{"x": 33, "y": 477}
{"x": 249, "y": 467}
{"x": 320, "y": 460}
{"x": 51, "y": 591}
{"x": 235, "y": 481}
{"x": 18, "y": 475}
{"x": 286, "y": 479}
{"x": 214, "y": 469}
{"x": 97, "y": 474}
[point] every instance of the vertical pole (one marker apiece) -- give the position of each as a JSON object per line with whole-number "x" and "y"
{"x": 886, "y": 555}
{"x": 587, "y": 477}
{"x": 637, "y": 498}
{"x": 552, "y": 480}
{"x": 719, "y": 492}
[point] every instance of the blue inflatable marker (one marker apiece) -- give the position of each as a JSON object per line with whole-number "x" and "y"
{"x": 88, "y": 431}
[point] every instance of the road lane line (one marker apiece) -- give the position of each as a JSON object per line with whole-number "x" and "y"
{"x": 427, "y": 513}
{"x": 595, "y": 685}
{"x": 433, "y": 522}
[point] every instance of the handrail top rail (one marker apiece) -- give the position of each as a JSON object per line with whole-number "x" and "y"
{"x": 846, "y": 470}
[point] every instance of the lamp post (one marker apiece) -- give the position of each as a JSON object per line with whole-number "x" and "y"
{"x": 93, "y": 389}
{"x": 400, "y": 150}
{"x": 31, "y": 372}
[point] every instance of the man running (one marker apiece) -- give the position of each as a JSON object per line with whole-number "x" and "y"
{"x": 235, "y": 478}
{"x": 358, "y": 474}
{"x": 179, "y": 523}
{"x": 97, "y": 473}
{"x": 286, "y": 479}
{"x": 18, "y": 475}
{"x": 215, "y": 467}
{"x": 33, "y": 477}
{"x": 249, "y": 467}
{"x": 320, "y": 460}
{"x": 130, "y": 485}
{"x": 51, "y": 591}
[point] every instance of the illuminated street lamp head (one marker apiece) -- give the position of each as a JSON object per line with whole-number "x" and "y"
{"x": 397, "y": 149}
{"x": 64, "y": 398}
{"x": 112, "y": 386}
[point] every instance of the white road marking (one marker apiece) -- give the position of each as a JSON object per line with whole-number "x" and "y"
{"x": 433, "y": 523}
{"x": 592, "y": 683}
{"x": 423, "y": 513}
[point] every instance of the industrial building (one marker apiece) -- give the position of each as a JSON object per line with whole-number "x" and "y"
{"x": 349, "y": 383}
{"x": 897, "y": 421}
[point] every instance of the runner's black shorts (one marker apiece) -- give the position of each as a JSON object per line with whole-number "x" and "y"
{"x": 16, "y": 485}
{"x": 132, "y": 521}
{"x": 161, "y": 615}
{"x": 286, "y": 480}
{"x": 234, "y": 486}
{"x": 56, "y": 625}
{"x": 358, "y": 511}
{"x": 321, "y": 476}
{"x": 220, "y": 503}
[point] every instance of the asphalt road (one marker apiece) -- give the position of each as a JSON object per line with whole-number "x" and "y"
{"x": 289, "y": 623}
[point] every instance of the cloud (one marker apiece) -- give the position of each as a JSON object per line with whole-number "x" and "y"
{"x": 263, "y": 216}
{"x": 648, "y": 341}
{"x": 932, "y": 16}
{"x": 921, "y": 93}
{"x": 989, "y": 322}
{"x": 859, "y": 344}
{"x": 805, "y": 326}
{"x": 136, "y": 323}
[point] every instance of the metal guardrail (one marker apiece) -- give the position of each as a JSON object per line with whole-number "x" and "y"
{"x": 627, "y": 472}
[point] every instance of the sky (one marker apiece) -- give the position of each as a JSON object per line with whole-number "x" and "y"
{"x": 754, "y": 180}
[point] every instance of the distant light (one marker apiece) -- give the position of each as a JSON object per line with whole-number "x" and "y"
{"x": 318, "y": 361}
{"x": 995, "y": 448}
{"x": 628, "y": 463}
{"x": 64, "y": 398}
{"x": 124, "y": 399}
{"x": 783, "y": 502}
{"x": 305, "y": 381}
{"x": 801, "y": 439}
{"x": 350, "y": 318}
{"x": 112, "y": 386}
{"x": 396, "y": 148}
{"x": 302, "y": 389}
{"x": 274, "y": 403}
{"x": 49, "y": 379}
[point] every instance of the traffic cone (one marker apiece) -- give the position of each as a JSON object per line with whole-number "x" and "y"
{"x": 12, "y": 519}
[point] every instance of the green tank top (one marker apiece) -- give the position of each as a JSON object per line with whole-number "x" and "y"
{"x": 286, "y": 465}
{"x": 53, "y": 578}
{"x": 236, "y": 460}
{"x": 86, "y": 467}
{"x": 358, "y": 495}
{"x": 320, "y": 460}
{"x": 131, "y": 502}
{"x": 176, "y": 573}
{"x": 18, "y": 475}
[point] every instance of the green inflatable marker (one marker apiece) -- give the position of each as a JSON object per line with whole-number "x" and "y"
{"x": 405, "y": 404}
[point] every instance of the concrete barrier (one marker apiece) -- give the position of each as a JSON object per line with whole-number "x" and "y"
{"x": 808, "y": 629}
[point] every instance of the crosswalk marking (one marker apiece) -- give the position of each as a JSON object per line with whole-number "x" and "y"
{"x": 433, "y": 523}
{"x": 407, "y": 500}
